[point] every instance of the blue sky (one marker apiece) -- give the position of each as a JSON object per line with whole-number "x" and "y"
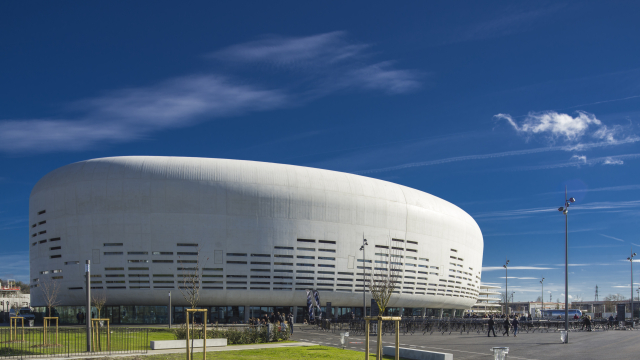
{"x": 493, "y": 106}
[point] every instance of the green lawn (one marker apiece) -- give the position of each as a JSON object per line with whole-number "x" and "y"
{"x": 307, "y": 353}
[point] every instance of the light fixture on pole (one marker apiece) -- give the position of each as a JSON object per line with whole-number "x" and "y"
{"x": 542, "y": 298}
{"x": 630, "y": 258}
{"x": 364, "y": 277}
{"x": 506, "y": 288}
{"x": 565, "y": 211}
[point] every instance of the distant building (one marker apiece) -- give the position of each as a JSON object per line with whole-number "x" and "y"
{"x": 488, "y": 301}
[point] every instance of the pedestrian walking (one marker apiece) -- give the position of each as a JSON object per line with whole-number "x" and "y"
{"x": 291, "y": 323}
{"x": 515, "y": 323}
{"x": 506, "y": 325}
{"x": 491, "y": 327}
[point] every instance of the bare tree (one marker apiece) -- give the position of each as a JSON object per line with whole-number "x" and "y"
{"x": 191, "y": 285}
{"x": 192, "y": 279}
{"x": 383, "y": 280}
{"x": 577, "y": 298}
{"x": 611, "y": 300}
{"x": 98, "y": 299}
{"x": 50, "y": 289}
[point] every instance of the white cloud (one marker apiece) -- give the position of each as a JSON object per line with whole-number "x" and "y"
{"x": 494, "y": 268}
{"x": 555, "y": 126}
{"x": 330, "y": 63}
{"x": 579, "y": 158}
{"x": 134, "y": 113}
{"x": 580, "y": 161}
{"x": 611, "y": 161}
{"x": 580, "y": 147}
{"x": 611, "y": 237}
{"x": 15, "y": 266}
{"x": 619, "y": 205}
{"x": 308, "y": 51}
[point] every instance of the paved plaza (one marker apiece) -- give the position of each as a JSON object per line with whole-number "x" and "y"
{"x": 529, "y": 346}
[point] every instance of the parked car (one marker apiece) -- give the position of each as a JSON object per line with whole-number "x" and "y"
{"x": 23, "y": 313}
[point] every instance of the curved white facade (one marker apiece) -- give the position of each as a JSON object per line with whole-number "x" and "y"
{"x": 298, "y": 228}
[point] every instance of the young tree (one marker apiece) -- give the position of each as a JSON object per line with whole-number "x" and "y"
{"x": 383, "y": 280}
{"x": 192, "y": 279}
{"x": 50, "y": 289}
{"x": 191, "y": 285}
{"x": 98, "y": 300}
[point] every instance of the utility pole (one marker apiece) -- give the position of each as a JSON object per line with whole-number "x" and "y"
{"x": 630, "y": 258}
{"x": 565, "y": 211}
{"x": 506, "y": 286}
{"x": 364, "y": 277}
{"x": 542, "y": 297}
{"x": 87, "y": 270}
{"x": 169, "y": 310}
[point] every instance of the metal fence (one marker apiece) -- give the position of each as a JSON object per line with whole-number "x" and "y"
{"x": 466, "y": 326}
{"x": 67, "y": 341}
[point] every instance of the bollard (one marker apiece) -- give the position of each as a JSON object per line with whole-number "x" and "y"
{"x": 500, "y": 353}
{"x": 342, "y": 340}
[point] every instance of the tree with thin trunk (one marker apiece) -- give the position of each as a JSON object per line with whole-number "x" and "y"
{"x": 191, "y": 284}
{"x": 385, "y": 275}
{"x": 98, "y": 300}
{"x": 50, "y": 289}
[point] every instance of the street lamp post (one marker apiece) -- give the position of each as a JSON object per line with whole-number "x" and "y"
{"x": 169, "y": 312}
{"x": 630, "y": 258}
{"x": 506, "y": 288}
{"x": 565, "y": 211}
{"x": 542, "y": 297}
{"x": 364, "y": 278}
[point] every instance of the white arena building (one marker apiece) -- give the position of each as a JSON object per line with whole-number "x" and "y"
{"x": 263, "y": 233}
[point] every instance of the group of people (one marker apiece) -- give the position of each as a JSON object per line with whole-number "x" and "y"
{"x": 507, "y": 324}
{"x": 276, "y": 318}
{"x": 586, "y": 321}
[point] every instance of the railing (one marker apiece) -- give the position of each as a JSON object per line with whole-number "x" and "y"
{"x": 466, "y": 326}
{"x": 72, "y": 341}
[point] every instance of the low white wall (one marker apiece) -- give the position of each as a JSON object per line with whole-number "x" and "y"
{"x": 182, "y": 344}
{"x": 416, "y": 354}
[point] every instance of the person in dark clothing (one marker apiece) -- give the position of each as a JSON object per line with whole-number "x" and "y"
{"x": 506, "y": 327}
{"x": 515, "y": 323}
{"x": 290, "y": 319}
{"x": 272, "y": 319}
{"x": 491, "y": 327}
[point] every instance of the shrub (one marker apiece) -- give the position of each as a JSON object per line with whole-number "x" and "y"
{"x": 236, "y": 336}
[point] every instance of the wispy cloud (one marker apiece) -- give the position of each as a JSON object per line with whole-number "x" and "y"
{"x": 578, "y": 161}
{"x": 608, "y": 188}
{"x": 579, "y": 147}
{"x": 494, "y": 268}
{"x": 15, "y": 266}
{"x": 619, "y": 205}
{"x": 611, "y": 237}
{"x": 537, "y": 232}
{"x": 331, "y": 63}
{"x": 131, "y": 114}
{"x": 520, "y": 278}
{"x": 510, "y": 21}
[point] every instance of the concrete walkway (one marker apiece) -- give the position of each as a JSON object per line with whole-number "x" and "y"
{"x": 209, "y": 350}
